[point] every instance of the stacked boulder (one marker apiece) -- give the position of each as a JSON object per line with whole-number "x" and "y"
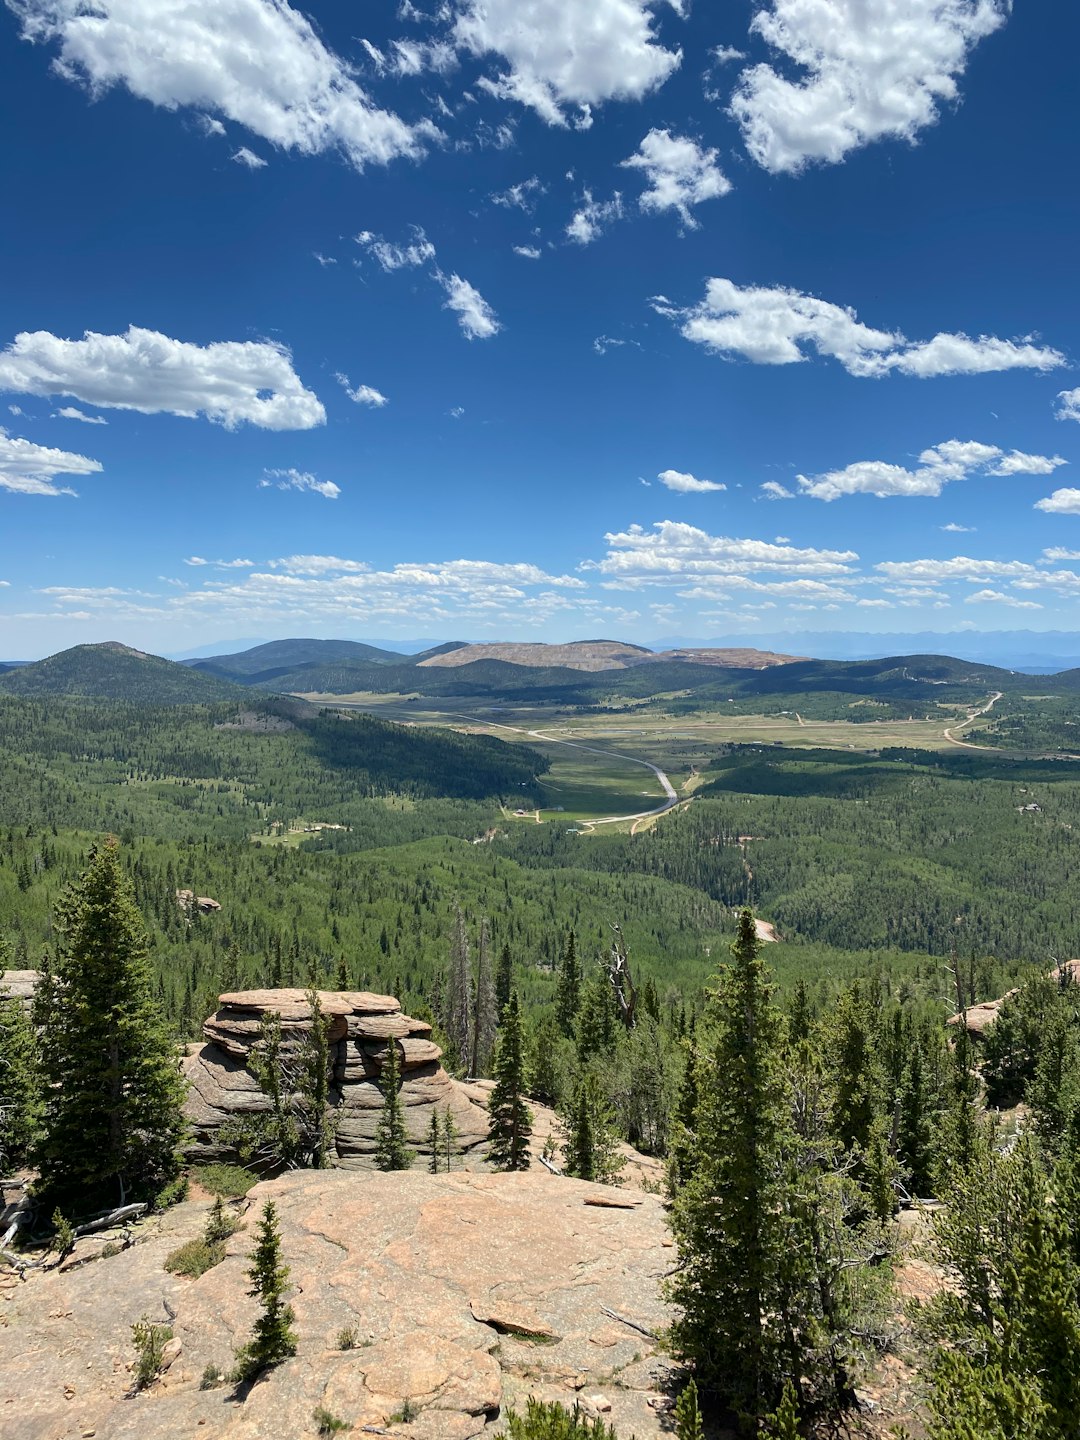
{"x": 361, "y": 1028}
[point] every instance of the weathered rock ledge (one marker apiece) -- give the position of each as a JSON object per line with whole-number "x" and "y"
{"x": 362, "y": 1026}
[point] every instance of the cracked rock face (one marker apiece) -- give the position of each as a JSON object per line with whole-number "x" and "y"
{"x": 464, "y": 1293}
{"x": 361, "y": 1027}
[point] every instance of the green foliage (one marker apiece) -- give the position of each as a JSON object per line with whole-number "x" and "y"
{"x": 273, "y": 1338}
{"x": 194, "y": 1258}
{"x": 326, "y": 1423}
{"x": 1006, "y": 1335}
{"x": 568, "y": 989}
{"x": 113, "y": 1110}
{"x": 212, "y": 1376}
{"x": 435, "y": 1142}
{"x": 149, "y": 1341}
{"x": 391, "y": 1139}
{"x": 510, "y": 1120}
{"x": 773, "y": 1276}
{"x": 590, "y": 1144}
{"x": 197, "y": 1256}
{"x": 20, "y": 1086}
{"x": 548, "y": 1420}
{"x": 298, "y": 1129}
{"x": 783, "y": 1423}
{"x": 405, "y": 1414}
{"x": 688, "y": 1424}
{"x": 348, "y": 1338}
{"x": 63, "y": 1233}
{"x": 230, "y": 1182}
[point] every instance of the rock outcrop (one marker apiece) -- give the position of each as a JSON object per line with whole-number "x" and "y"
{"x": 979, "y": 1018}
{"x": 19, "y": 985}
{"x": 461, "y": 1294}
{"x": 361, "y": 1028}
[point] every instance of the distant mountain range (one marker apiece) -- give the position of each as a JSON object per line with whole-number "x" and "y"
{"x": 589, "y": 673}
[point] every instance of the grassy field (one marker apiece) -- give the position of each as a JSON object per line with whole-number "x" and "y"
{"x": 585, "y": 785}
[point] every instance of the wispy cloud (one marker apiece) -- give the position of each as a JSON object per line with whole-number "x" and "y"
{"x": 299, "y": 480}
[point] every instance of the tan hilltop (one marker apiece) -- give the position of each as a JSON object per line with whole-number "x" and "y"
{"x": 605, "y": 655}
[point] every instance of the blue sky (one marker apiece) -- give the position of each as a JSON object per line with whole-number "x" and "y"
{"x": 537, "y": 319}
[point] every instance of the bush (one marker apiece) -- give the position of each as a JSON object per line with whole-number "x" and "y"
{"x": 544, "y": 1420}
{"x": 172, "y": 1193}
{"x": 194, "y": 1259}
{"x": 347, "y": 1338}
{"x": 232, "y": 1182}
{"x": 149, "y": 1340}
{"x": 212, "y": 1376}
{"x": 328, "y": 1424}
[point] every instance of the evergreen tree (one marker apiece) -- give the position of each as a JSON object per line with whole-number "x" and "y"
{"x": 510, "y": 1120}
{"x": 113, "y": 1110}
{"x": 391, "y": 1140}
{"x": 450, "y": 1134}
{"x": 504, "y": 979}
{"x": 435, "y": 1141}
{"x": 590, "y": 1146}
{"x": 318, "y": 1124}
{"x": 915, "y": 1131}
{"x": 20, "y": 1090}
{"x": 484, "y": 1012}
{"x": 727, "y": 1218}
{"x": 598, "y": 1021}
{"x": 684, "y": 1149}
{"x": 688, "y": 1415}
{"x": 273, "y": 1338}
{"x": 457, "y": 1020}
{"x": 774, "y": 1281}
{"x": 568, "y": 987}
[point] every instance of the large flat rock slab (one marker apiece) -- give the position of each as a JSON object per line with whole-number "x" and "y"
{"x": 465, "y": 1292}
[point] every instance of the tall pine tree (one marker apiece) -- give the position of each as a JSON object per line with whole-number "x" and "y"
{"x": 510, "y": 1119}
{"x": 113, "y": 1105}
{"x": 391, "y": 1140}
{"x": 568, "y": 987}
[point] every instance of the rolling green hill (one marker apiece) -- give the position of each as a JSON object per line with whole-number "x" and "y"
{"x": 111, "y": 671}
{"x": 284, "y": 655}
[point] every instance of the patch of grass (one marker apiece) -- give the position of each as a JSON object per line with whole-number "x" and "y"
{"x": 231, "y": 1182}
{"x": 327, "y": 1423}
{"x": 194, "y": 1258}
{"x": 405, "y": 1414}
{"x": 349, "y": 1339}
{"x": 212, "y": 1377}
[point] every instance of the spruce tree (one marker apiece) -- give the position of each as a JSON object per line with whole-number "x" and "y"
{"x": 590, "y": 1146}
{"x": 727, "y": 1218}
{"x": 504, "y": 979}
{"x": 450, "y": 1134}
{"x": 568, "y": 987}
{"x": 113, "y": 1107}
{"x": 435, "y": 1141}
{"x": 20, "y": 1090}
{"x": 484, "y": 1012}
{"x": 391, "y": 1140}
{"x": 458, "y": 1016}
{"x": 510, "y": 1120}
{"x": 688, "y": 1415}
{"x": 683, "y": 1153}
{"x": 273, "y": 1338}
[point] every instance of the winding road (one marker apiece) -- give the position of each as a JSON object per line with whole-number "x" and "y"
{"x": 974, "y": 715}
{"x": 671, "y": 798}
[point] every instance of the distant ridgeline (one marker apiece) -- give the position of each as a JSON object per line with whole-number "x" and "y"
{"x": 606, "y": 673}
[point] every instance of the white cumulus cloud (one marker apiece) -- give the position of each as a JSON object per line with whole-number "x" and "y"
{"x": 527, "y": 252}
{"x": 772, "y": 325}
{"x": 229, "y": 381}
{"x": 29, "y": 469}
{"x": 674, "y": 552}
{"x": 687, "y": 484}
{"x": 593, "y": 217}
{"x": 418, "y": 251}
{"x": 1069, "y": 409}
{"x": 680, "y": 173}
{"x": 1061, "y": 502}
{"x": 249, "y": 159}
{"x": 363, "y": 394}
{"x": 938, "y": 465}
{"x": 999, "y": 597}
{"x": 477, "y": 319}
{"x": 564, "y": 53}
{"x": 259, "y": 63}
{"x": 865, "y": 72}
{"x": 299, "y": 480}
